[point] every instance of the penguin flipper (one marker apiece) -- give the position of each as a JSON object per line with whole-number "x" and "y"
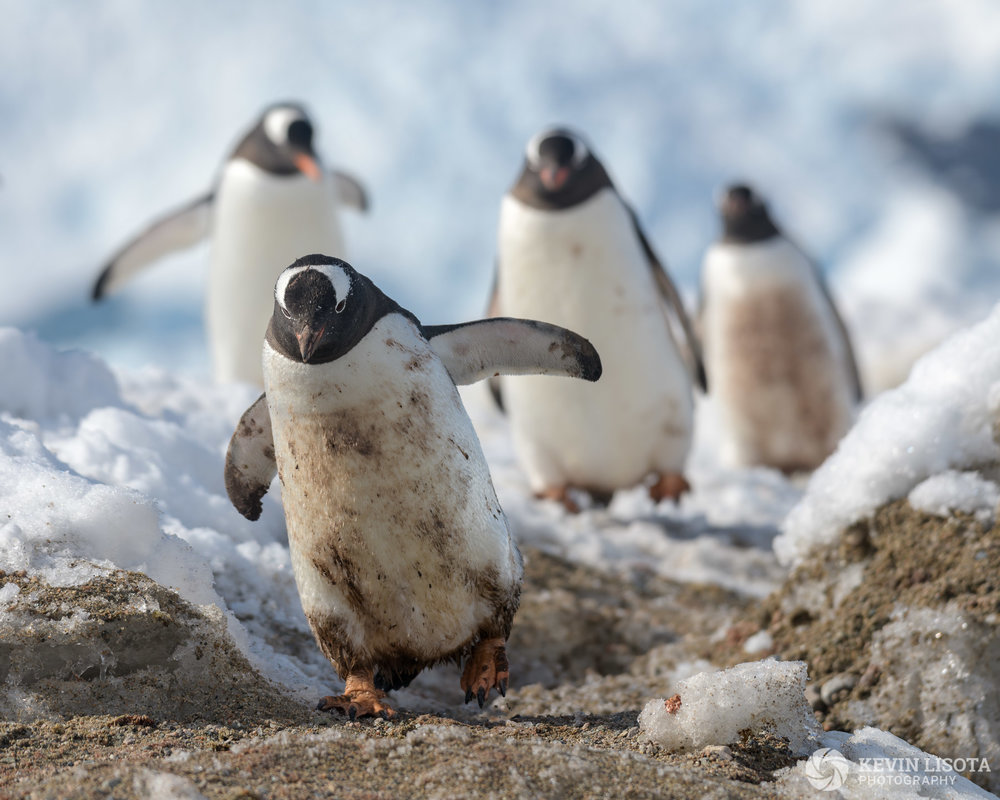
{"x": 493, "y": 310}
{"x": 472, "y": 351}
{"x": 672, "y": 299}
{"x": 350, "y": 191}
{"x": 851, "y": 361}
{"x": 250, "y": 462}
{"x": 180, "y": 229}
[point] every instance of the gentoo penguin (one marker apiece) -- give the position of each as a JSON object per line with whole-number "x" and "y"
{"x": 272, "y": 202}
{"x": 777, "y": 352}
{"x": 571, "y": 252}
{"x": 400, "y": 550}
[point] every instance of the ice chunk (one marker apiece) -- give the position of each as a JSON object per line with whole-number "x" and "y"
{"x": 713, "y": 707}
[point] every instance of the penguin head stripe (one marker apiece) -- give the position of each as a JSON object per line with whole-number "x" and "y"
{"x": 335, "y": 272}
{"x": 553, "y": 139}
{"x": 279, "y": 120}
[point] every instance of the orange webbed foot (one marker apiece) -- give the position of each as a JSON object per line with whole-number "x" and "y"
{"x": 672, "y": 486}
{"x": 486, "y": 669}
{"x": 561, "y": 495}
{"x": 360, "y": 699}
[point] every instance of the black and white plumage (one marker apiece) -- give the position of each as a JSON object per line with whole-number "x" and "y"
{"x": 401, "y": 552}
{"x": 272, "y": 201}
{"x": 777, "y": 352}
{"x": 571, "y": 252}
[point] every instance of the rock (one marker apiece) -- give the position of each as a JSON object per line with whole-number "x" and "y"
{"x": 837, "y": 687}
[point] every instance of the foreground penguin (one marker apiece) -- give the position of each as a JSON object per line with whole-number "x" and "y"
{"x": 272, "y": 201}
{"x": 777, "y": 352}
{"x": 571, "y": 252}
{"x": 401, "y": 552}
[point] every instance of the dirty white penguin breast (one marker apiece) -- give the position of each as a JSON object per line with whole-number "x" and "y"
{"x": 584, "y": 269}
{"x": 261, "y": 224}
{"x": 777, "y": 362}
{"x": 389, "y": 478}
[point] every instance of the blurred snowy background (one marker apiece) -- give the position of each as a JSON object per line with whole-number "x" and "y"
{"x": 870, "y": 127}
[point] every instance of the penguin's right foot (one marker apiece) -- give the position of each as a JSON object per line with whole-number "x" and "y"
{"x": 559, "y": 494}
{"x": 669, "y": 486}
{"x": 360, "y": 699}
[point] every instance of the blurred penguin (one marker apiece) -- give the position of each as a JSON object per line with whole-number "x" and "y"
{"x": 571, "y": 252}
{"x": 272, "y": 202}
{"x": 777, "y": 352}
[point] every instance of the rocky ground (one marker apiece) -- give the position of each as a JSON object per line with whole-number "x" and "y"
{"x": 186, "y": 716}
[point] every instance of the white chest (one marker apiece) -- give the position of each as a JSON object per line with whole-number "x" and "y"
{"x": 584, "y": 269}
{"x": 262, "y": 223}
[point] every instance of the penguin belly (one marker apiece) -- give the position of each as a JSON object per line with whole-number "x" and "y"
{"x": 261, "y": 223}
{"x": 400, "y": 549}
{"x": 776, "y": 361}
{"x": 584, "y": 269}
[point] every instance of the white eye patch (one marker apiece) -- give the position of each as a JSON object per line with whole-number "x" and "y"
{"x": 277, "y": 122}
{"x": 337, "y": 276}
{"x": 533, "y": 150}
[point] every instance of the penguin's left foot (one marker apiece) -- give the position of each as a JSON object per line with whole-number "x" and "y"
{"x": 486, "y": 669}
{"x": 670, "y": 486}
{"x": 360, "y": 698}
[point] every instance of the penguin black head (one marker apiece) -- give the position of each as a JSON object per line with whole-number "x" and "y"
{"x": 559, "y": 171}
{"x": 281, "y": 142}
{"x": 322, "y": 308}
{"x": 745, "y": 218}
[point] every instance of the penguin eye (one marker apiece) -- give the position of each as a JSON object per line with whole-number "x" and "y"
{"x": 340, "y": 306}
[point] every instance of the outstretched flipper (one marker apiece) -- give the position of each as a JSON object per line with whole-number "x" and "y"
{"x": 181, "y": 229}
{"x": 672, "y": 299}
{"x": 350, "y": 191}
{"x": 472, "y": 351}
{"x": 250, "y": 463}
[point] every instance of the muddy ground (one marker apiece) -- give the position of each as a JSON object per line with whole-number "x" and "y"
{"x": 589, "y": 649}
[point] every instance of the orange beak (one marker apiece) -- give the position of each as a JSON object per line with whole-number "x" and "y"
{"x": 307, "y": 166}
{"x": 554, "y": 177}
{"x": 308, "y": 341}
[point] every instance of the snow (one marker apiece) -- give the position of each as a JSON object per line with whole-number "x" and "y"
{"x": 715, "y": 706}
{"x": 952, "y": 491}
{"x": 875, "y": 765}
{"x": 940, "y": 419}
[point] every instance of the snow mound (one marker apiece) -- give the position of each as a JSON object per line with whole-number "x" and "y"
{"x": 713, "y": 707}
{"x": 939, "y": 419}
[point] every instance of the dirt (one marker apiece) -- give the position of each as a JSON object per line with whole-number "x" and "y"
{"x": 588, "y": 650}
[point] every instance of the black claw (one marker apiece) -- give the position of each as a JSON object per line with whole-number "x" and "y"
{"x": 352, "y": 712}
{"x": 502, "y": 687}
{"x": 468, "y": 695}
{"x": 481, "y": 696}
{"x": 321, "y": 705}
{"x": 384, "y": 714}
